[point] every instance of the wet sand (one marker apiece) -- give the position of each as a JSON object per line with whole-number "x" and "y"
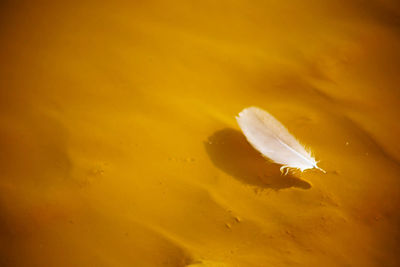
{"x": 119, "y": 145}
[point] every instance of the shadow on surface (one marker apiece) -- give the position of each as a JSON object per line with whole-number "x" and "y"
{"x": 229, "y": 150}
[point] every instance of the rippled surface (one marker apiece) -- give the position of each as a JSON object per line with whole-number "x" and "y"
{"x": 119, "y": 145}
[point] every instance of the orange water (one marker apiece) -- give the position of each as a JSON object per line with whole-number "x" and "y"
{"x": 119, "y": 147}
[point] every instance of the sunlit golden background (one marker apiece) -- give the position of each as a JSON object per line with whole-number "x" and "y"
{"x": 119, "y": 146}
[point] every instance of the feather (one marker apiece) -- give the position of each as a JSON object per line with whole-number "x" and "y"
{"x": 267, "y": 135}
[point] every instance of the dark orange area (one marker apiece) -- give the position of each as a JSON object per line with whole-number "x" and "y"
{"x": 119, "y": 145}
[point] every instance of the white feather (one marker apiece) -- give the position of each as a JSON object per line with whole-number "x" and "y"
{"x": 267, "y": 135}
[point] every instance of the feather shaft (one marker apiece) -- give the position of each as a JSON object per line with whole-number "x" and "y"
{"x": 267, "y": 135}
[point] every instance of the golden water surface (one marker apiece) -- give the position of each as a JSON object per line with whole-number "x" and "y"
{"x": 119, "y": 145}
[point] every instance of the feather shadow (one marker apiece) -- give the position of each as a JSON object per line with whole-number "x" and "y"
{"x": 229, "y": 150}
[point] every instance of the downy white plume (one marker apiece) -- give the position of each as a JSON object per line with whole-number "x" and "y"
{"x": 267, "y": 135}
